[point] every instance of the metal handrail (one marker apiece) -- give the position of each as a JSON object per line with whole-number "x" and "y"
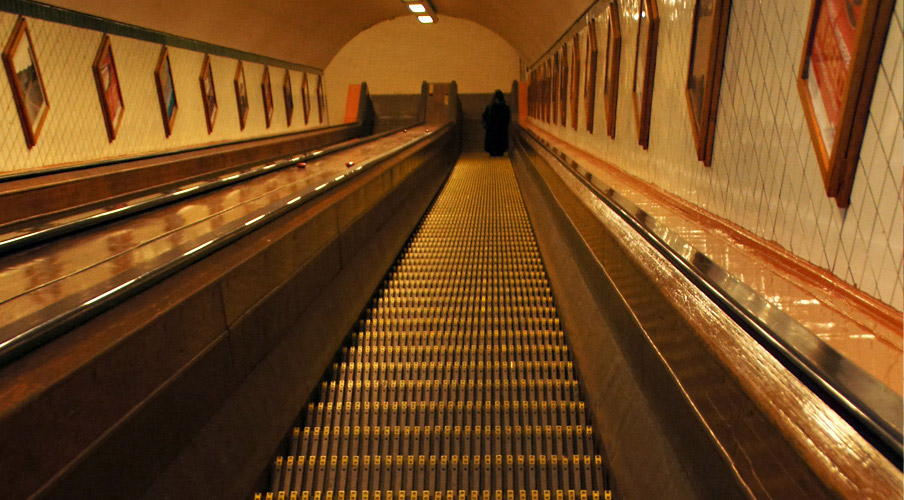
{"x": 29, "y": 235}
{"x": 59, "y": 169}
{"x": 78, "y": 308}
{"x": 868, "y": 405}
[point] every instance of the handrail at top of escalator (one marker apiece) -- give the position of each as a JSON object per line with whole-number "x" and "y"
{"x": 24, "y": 335}
{"x": 58, "y": 169}
{"x": 867, "y": 404}
{"x": 19, "y": 239}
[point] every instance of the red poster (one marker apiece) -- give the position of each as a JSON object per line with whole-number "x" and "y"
{"x": 831, "y": 58}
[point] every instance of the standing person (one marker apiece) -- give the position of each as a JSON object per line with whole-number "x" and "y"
{"x": 496, "y": 122}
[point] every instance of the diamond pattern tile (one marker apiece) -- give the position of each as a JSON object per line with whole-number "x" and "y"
{"x": 764, "y": 175}
{"x": 74, "y": 130}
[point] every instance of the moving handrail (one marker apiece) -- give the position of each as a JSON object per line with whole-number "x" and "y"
{"x": 58, "y": 169}
{"x": 22, "y": 336}
{"x": 27, "y": 234}
{"x": 868, "y": 405}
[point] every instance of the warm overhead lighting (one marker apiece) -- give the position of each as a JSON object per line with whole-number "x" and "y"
{"x": 423, "y": 9}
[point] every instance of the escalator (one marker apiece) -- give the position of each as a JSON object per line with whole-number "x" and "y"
{"x": 457, "y": 381}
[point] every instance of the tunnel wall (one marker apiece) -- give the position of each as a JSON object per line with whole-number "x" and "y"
{"x": 74, "y": 130}
{"x": 394, "y": 56}
{"x": 764, "y": 175}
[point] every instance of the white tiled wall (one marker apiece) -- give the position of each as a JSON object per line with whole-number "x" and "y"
{"x": 764, "y": 175}
{"x": 74, "y": 129}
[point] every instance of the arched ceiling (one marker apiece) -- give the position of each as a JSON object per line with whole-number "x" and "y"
{"x": 311, "y": 32}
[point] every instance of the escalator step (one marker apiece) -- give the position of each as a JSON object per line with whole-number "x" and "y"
{"x": 457, "y": 382}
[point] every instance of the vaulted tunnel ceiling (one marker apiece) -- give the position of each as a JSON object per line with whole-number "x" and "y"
{"x": 311, "y": 32}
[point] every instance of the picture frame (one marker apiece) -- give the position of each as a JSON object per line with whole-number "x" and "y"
{"x": 575, "y": 78}
{"x": 590, "y": 74}
{"x": 321, "y": 98}
{"x": 166, "y": 90}
{"x": 612, "y": 67}
{"x": 555, "y": 88}
{"x": 109, "y": 92}
{"x": 287, "y": 96}
{"x": 645, "y": 68}
{"x": 208, "y": 93}
{"x": 550, "y": 96}
{"x": 26, "y": 81}
{"x": 267, "y": 95}
{"x": 241, "y": 94}
{"x": 305, "y": 98}
{"x": 836, "y": 93}
{"x": 542, "y": 95}
{"x": 547, "y": 91}
{"x": 563, "y": 85}
{"x": 704, "y": 72}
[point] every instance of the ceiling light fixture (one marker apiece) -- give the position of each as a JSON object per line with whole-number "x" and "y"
{"x": 424, "y": 9}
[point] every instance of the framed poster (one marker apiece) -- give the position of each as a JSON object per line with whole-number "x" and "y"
{"x": 305, "y": 98}
{"x": 208, "y": 94}
{"x": 267, "y": 93}
{"x": 555, "y": 88}
{"x": 645, "y": 68}
{"x": 321, "y": 99}
{"x": 704, "y": 72}
{"x": 590, "y": 74}
{"x": 26, "y": 81}
{"x": 575, "y": 78}
{"x": 543, "y": 85}
{"x": 241, "y": 95}
{"x": 563, "y": 85}
{"x": 841, "y": 57}
{"x": 106, "y": 79}
{"x": 287, "y": 95}
{"x": 166, "y": 90}
{"x": 612, "y": 66}
{"x": 547, "y": 86}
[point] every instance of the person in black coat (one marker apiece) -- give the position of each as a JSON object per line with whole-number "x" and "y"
{"x": 496, "y": 123}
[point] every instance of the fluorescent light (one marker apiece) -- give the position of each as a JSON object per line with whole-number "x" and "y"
{"x": 425, "y": 19}
{"x": 417, "y": 8}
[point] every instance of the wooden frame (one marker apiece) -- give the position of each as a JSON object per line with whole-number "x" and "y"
{"x": 166, "y": 90}
{"x": 208, "y": 94}
{"x": 563, "y": 98}
{"x": 26, "y": 81}
{"x": 555, "y": 88}
{"x": 590, "y": 76}
{"x": 267, "y": 95}
{"x": 645, "y": 68}
{"x": 550, "y": 97}
{"x": 837, "y": 115}
{"x": 704, "y": 72}
{"x": 612, "y": 68}
{"x": 106, "y": 79}
{"x": 287, "y": 95}
{"x": 575, "y": 78}
{"x": 241, "y": 94}
{"x": 305, "y": 98}
{"x": 321, "y": 98}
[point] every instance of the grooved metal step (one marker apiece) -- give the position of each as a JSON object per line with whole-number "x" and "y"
{"x": 457, "y": 382}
